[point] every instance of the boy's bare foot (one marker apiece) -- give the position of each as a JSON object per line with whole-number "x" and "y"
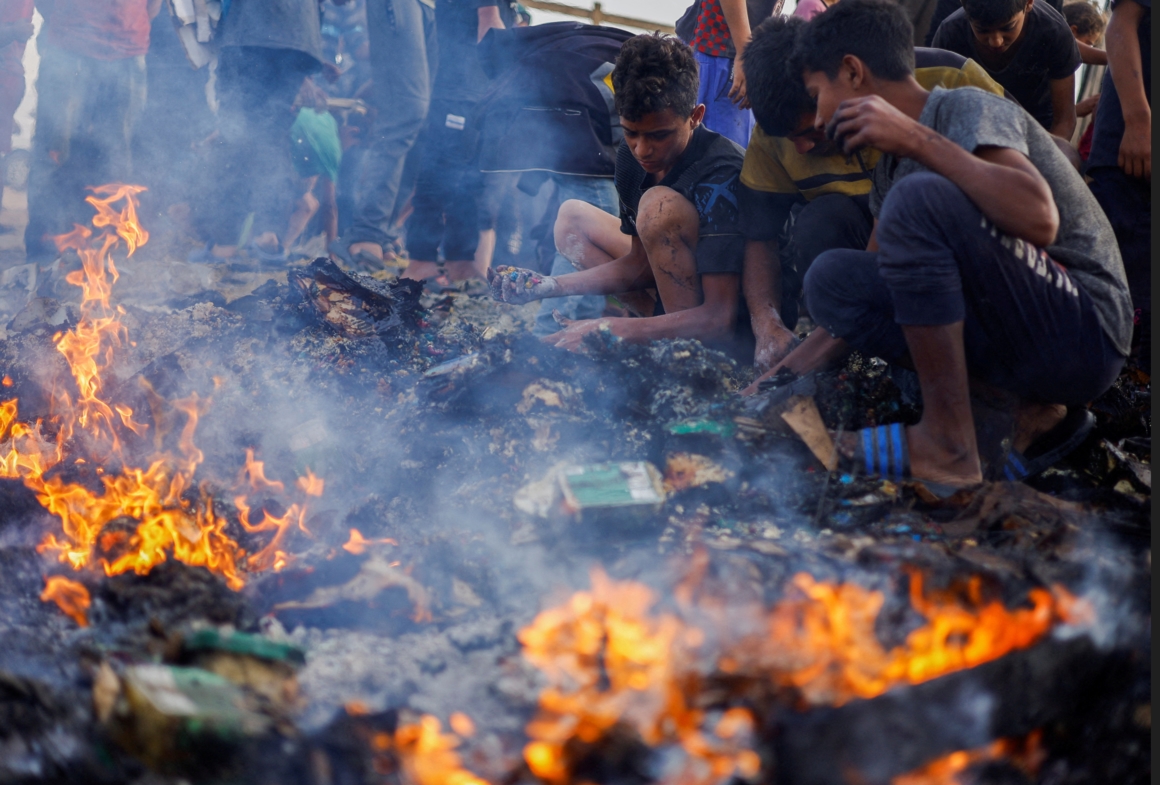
{"x": 371, "y": 249}
{"x": 930, "y": 459}
{"x": 1032, "y": 420}
{"x": 420, "y": 271}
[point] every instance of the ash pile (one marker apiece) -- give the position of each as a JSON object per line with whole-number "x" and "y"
{"x": 336, "y": 530}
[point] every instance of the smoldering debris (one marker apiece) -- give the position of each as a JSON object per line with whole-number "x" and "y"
{"x": 472, "y": 478}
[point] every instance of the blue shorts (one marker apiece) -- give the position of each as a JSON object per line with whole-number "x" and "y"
{"x": 721, "y": 114}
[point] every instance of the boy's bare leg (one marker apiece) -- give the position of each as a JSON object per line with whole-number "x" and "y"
{"x": 942, "y": 445}
{"x": 418, "y": 270}
{"x": 588, "y": 237}
{"x": 668, "y": 226}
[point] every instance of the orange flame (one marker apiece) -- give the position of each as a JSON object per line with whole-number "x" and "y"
{"x": 310, "y": 484}
{"x": 357, "y": 544}
{"x": 172, "y": 517}
{"x": 425, "y": 754}
{"x": 1026, "y": 754}
{"x": 70, "y": 596}
{"x": 822, "y": 640}
{"x": 610, "y": 660}
{"x": 608, "y": 663}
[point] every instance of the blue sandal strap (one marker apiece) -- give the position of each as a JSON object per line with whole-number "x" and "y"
{"x": 884, "y": 451}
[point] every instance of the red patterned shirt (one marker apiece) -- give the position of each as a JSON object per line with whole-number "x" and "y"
{"x": 712, "y": 35}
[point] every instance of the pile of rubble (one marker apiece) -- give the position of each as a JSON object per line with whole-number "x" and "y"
{"x": 473, "y": 476}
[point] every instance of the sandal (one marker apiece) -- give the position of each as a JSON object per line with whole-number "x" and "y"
{"x": 884, "y": 452}
{"x": 1050, "y": 448}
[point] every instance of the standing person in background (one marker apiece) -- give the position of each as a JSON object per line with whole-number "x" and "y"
{"x": 1087, "y": 25}
{"x": 404, "y": 54}
{"x": 15, "y": 30}
{"x": 267, "y": 48}
{"x": 1027, "y": 47}
{"x": 722, "y": 31}
{"x": 808, "y": 9}
{"x": 1120, "y": 163}
{"x": 91, "y": 89}
{"x": 449, "y": 185}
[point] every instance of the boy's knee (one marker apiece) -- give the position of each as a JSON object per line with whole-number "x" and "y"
{"x": 571, "y": 221}
{"x": 919, "y": 200}
{"x": 663, "y": 211}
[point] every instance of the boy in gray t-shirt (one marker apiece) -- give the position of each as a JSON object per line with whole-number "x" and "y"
{"x": 990, "y": 259}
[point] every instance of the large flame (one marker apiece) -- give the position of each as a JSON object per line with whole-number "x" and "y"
{"x": 614, "y": 664}
{"x": 170, "y": 515}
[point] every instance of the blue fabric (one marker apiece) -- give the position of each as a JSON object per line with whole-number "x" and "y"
{"x": 721, "y": 114}
{"x": 599, "y": 192}
{"x": 898, "y": 437}
{"x": 1027, "y": 327}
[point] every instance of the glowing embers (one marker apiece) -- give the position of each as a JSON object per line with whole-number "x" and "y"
{"x": 1024, "y": 754}
{"x": 129, "y": 514}
{"x": 618, "y": 668}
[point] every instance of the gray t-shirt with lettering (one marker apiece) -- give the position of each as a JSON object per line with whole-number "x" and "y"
{"x": 1085, "y": 245}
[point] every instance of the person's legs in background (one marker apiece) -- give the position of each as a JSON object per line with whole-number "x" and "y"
{"x": 599, "y": 192}
{"x": 403, "y": 57}
{"x": 1127, "y": 201}
{"x": 721, "y": 114}
{"x": 86, "y": 113}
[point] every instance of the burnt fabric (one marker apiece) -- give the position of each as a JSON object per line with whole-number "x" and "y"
{"x": 707, "y": 174}
{"x": 1029, "y": 327}
{"x": 1046, "y": 51}
{"x": 550, "y": 105}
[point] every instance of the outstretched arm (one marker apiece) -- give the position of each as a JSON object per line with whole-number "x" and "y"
{"x": 629, "y": 273}
{"x": 1125, "y": 62}
{"x": 712, "y": 320}
{"x": 1063, "y": 107}
{"x": 1001, "y": 181}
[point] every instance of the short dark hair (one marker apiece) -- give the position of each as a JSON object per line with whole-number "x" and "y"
{"x": 773, "y": 77}
{"x": 1085, "y": 18}
{"x": 992, "y": 13}
{"x": 655, "y": 72}
{"x": 877, "y": 32}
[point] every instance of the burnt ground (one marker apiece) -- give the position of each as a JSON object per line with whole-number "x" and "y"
{"x": 352, "y": 378}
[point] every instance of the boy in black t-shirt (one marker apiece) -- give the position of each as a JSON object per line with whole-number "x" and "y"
{"x": 1027, "y": 47}
{"x": 674, "y": 257}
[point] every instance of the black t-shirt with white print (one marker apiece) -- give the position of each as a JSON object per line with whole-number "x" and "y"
{"x": 707, "y": 174}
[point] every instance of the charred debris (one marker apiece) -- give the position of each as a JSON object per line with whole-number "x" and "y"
{"x": 473, "y": 477}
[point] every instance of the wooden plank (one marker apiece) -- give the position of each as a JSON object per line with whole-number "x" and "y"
{"x": 597, "y": 16}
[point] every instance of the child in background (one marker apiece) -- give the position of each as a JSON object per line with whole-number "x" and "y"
{"x": 317, "y": 158}
{"x": 1027, "y": 47}
{"x": 1087, "y": 25}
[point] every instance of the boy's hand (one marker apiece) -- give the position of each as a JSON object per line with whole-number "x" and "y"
{"x": 516, "y": 286}
{"x": 869, "y": 121}
{"x": 1087, "y": 105}
{"x": 572, "y": 336}
{"x": 737, "y": 91}
{"x": 1136, "y": 148}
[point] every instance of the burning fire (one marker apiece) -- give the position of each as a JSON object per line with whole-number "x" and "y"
{"x": 425, "y": 754}
{"x": 171, "y": 516}
{"x": 614, "y": 665}
{"x": 70, "y": 596}
{"x": 609, "y": 663}
{"x": 1026, "y": 754}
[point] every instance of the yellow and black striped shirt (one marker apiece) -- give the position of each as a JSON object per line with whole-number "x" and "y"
{"x": 775, "y": 176}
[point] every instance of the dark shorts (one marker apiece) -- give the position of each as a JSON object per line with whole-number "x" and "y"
{"x": 1028, "y": 327}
